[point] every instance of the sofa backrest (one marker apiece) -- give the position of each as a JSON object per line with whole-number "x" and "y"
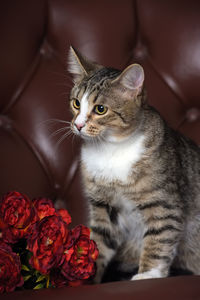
{"x": 35, "y": 37}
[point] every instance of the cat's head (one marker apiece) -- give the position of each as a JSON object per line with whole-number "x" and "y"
{"x": 105, "y": 102}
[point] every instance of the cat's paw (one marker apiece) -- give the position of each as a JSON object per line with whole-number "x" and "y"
{"x": 141, "y": 276}
{"x": 154, "y": 273}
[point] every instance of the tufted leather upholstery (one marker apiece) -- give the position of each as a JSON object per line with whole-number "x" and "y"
{"x": 35, "y": 36}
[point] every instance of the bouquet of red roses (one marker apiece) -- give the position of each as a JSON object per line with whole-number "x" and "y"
{"x": 37, "y": 249}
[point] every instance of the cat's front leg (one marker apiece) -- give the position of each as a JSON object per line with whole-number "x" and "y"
{"x": 106, "y": 251}
{"x": 159, "y": 246}
{"x": 155, "y": 259}
{"x": 103, "y": 233}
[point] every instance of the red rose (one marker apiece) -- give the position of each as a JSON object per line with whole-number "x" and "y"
{"x": 46, "y": 243}
{"x": 16, "y": 214}
{"x": 80, "y": 255}
{"x": 10, "y": 269}
{"x": 44, "y": 207}
{"x": 65, "y": 215}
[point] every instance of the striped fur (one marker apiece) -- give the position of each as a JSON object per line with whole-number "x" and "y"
{"x": 140, "y": 177}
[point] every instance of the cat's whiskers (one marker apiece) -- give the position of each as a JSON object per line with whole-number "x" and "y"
{"x": 97, "y": 140}
{"x": 101, "y": 139}
{"x": 63, "y": 137}
{"x": 50, "y": 121}
{"x": 73, "y": 139}
{"x": 56, "y": 132}
{"x": 67, "y": 129}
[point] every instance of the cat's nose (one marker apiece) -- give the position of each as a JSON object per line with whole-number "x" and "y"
{"x": 79, "y": 126}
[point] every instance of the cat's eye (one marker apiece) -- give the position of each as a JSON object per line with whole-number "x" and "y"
{"x": 100, "y": 109}
{"x": 76, "y": 103}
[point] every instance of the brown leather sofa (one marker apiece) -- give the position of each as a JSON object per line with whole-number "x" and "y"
{"x": 164, "y": 36}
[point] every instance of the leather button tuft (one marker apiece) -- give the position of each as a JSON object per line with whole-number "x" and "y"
{"x": 57, "y": 186}
{"x": 46, "y": 50}
{"x": 193, "y": 114}
{"x": 140, "y": 52}
{"x": 5, "y": 122}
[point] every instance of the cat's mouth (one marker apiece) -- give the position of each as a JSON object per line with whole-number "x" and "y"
{"x": 100, "y": 136}
{"x": 89, "y": 133}
{"x": 81, "y": 132}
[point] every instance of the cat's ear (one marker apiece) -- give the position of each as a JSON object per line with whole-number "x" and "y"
{"x": 131, "y": 79}
{"x": 78, "y": 65}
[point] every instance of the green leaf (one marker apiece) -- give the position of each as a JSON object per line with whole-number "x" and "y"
{"x": 36, "y": 273}
{"x": 40, "y": 278}
{"x": 26, "y": 277}
{"x": 25, "y": 268}
{"x": 48, "y": 282}
{"x": 39, "y": 286}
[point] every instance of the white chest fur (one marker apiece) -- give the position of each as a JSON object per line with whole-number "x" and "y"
{"x": 113, "y": 161}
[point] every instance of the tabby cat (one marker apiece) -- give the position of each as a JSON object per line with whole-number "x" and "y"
{"x": 141, "y": 178}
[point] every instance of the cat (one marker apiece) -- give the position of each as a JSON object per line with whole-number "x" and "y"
{"x": 140, "y": 177}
